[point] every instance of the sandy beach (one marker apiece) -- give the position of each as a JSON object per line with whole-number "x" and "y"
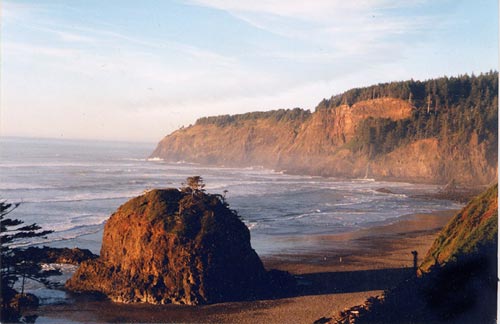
{"x": 341, "y": 271}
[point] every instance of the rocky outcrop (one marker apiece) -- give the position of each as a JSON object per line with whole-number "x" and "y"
{"x": 383, "y": 138}
{"x": 57, "y": 255}
{"x": 12, "y": 304}
{"x": 174, "y": 246}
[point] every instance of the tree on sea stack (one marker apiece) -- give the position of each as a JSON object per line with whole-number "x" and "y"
{"x": 15, "y": 264}
{"x": 174, "y": 246}
{"x": 194, "y": 184}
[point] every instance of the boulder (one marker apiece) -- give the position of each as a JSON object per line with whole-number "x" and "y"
{"x": 174, "y": 246}
{"x": 385, "y": 190}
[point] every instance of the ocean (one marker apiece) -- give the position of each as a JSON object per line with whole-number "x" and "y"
{"x": 73, "y": 186}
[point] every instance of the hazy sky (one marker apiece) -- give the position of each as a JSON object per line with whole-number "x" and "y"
{"x": 137, "y": 70}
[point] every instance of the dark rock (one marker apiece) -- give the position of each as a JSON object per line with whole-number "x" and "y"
{"x": 13, "y": 303}
{"x": 24, "y": 300}
{"x": 8, "y": 313}
{"x": 384, "y": 190}
{"x": 171, "y": 246}
{"x": 58, "y": 255}
{"x": 281, "y": 283}
{"x": 323, "y": 320}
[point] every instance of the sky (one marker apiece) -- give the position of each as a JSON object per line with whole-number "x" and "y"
{"x": 138, "y": 70}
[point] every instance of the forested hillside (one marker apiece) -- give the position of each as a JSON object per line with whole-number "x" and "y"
{"x": 454, "y": 110}
{"x": 437, "y": 131}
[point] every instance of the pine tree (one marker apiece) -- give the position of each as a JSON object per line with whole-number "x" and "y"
{"x": 16, "y": 264}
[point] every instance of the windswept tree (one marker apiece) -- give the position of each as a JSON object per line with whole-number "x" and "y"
{"x": 16, "y": 264}
{"x": 195, "y": 184}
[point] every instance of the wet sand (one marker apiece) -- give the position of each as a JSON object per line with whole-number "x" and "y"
{"x": 342, "y": 271}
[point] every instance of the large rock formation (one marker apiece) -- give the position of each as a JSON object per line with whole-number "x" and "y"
{"x": 434, "y": 131}
{"x": 174, "y": 246}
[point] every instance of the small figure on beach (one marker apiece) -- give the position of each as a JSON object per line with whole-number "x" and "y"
{"x": 415, "y": 260}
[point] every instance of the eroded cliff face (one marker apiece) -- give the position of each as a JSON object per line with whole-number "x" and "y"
{"x": 168, "y": 246}
{"x": 253, "y": 142}
{"x": 324, "y": 144}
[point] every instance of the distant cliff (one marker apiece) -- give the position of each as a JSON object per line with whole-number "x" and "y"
{"x": 433, "y": 131}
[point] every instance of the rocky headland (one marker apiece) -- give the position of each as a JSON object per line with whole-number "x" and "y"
{"x": 439, "y": 131}
{"x": 176, "y": 246}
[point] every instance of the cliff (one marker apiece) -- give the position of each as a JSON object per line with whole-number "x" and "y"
{"x": 174, "y": 246}
{"x": 434, "y": 131}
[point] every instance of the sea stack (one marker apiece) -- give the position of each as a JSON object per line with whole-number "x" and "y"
{"x": 174, "y": 246}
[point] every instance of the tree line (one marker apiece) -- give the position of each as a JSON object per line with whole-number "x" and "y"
{"x": 280, "y": 115}
{"x": 453, "y": 110}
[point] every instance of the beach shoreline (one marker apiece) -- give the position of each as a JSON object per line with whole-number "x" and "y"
{"x": 342, "y": 271}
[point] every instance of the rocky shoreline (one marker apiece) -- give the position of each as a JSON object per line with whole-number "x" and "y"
{"x": 366, "y": 255}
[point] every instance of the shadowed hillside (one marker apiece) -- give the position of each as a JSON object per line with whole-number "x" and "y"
{"x": 459, "y": 279}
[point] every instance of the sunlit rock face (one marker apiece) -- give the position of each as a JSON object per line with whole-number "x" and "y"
{"x": 172, "y": 246}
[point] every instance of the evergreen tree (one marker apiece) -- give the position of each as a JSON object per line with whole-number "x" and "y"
{"x": 194, "y": 184}
{"x": 449, "y": 109}
{"x": 16, "y": 264}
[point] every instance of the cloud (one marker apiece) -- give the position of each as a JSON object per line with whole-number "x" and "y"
{"x": 15, "y": 11}
{"x": 318, "y": 10}
{"x": 60, "y": 74}
{"x": 341, "y": 28}
{"x": 19, "y": 49}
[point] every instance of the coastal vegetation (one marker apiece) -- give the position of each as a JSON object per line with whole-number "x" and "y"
{"x": 280, "y": 115}
{"x": 458, "y": 278}
{"x": 20, "y": 264}
{"x": 455, "y": 110}
{"x": 16, "y": 266}
{"x": 440, "y": 130}
{"x": 473, "y": 229}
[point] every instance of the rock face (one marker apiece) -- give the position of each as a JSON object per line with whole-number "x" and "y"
{"x": 302, "y": 142}
{"x": 394, "y": 138}
{"x": 172, "y": 246}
